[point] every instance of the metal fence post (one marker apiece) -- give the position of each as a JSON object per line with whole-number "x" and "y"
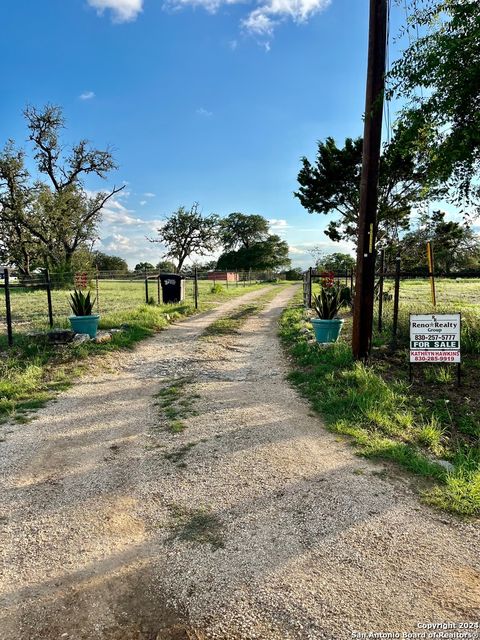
{"x": 195, "y": 287}
{"x": 158, "y": 288}
{"x": 309, "y": 290}
{"x": 396, "y": 298}
{"x": 8, "y": 309}
{"x": 146, "y": 286}
{"x": 97, "y": 289}
{"x": 380, "y": 290}
{"x": 49, "y": 298}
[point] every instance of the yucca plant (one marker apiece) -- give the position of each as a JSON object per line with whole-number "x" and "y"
{"x": 329, "y": 302}
{"x": 81, "y": 304}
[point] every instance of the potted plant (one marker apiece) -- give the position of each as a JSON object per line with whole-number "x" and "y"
{"x": 83, "y": 320}
{"x": 327, "y": 304}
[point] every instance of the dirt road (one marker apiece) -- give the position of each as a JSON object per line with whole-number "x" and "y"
{"x": 253, "y": 522}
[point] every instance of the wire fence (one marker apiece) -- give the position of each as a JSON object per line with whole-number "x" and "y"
{"x": 399, "y": 291}
{"x": 41, "y": 300}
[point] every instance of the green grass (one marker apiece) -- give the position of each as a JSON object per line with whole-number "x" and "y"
{"x": 116, "y": 298}
{"x": 176, "y": 404}
{"x": 385, "y": 417}
{"x": 31, "y": 372}
{"x": 231, "y": 323}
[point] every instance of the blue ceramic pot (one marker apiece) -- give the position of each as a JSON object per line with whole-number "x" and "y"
{"x": 85, "y": 324}
{"x": 327, "y": 330}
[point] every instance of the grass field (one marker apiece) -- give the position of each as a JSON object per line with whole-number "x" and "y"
{"x": 30, "y": 310}
{"x": 414, "y": 425}
{"x": 32, "y": 372}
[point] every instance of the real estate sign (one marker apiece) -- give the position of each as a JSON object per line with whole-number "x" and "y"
{"x": 435, "y": 338}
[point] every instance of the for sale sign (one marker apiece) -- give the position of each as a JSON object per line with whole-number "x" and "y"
{"x": 435, "y": 338}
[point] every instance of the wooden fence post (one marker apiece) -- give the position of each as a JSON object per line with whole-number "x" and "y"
{"x": 158, "y": 288}
{"x": 49, "y": 298}
{"x": 8, "y": 308}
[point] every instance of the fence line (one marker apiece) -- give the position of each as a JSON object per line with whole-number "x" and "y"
{"x": 48, "y": 304}
{"x": 311, "y": 275}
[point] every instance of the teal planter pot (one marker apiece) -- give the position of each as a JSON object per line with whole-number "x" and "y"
{"x": 85, "y": 324}
{"x": 327, "y": 330}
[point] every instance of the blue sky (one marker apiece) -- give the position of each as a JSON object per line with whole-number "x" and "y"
{"x": 206, "y": 100}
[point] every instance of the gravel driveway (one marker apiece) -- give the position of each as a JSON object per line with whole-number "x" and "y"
{"x": 253, "y": 522}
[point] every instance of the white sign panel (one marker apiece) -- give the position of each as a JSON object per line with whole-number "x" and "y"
{"x": 435, "y": 338}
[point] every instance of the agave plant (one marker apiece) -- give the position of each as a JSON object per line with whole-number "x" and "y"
{"x": 81, "y": 304}
{"x": 329, "y": 302}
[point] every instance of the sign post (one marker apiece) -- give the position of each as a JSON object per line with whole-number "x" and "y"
{"x": 435, "y": 338}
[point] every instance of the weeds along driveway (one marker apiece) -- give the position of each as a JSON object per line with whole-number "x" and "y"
{"x": 190, "y": 493}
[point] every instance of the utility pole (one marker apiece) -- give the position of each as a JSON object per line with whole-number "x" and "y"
{"x": 367, "y": 220}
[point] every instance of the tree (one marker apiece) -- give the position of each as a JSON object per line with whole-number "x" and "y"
{"x": 336, "y": 262}
{"x": 165, "y": 266}
{"x": 294, "y": 274}
{"x": 455, "y": 245}
{"x": 104, "y": 262}
{"x": 144, "y": 266}
{"x": 438, "y": 76}
{"x": 17, "y": 245}
{"x": 332, "y": 185}
{"x": 188, "y": 232}
{"x": 58, "y": 214}
{"x": 240, "y": 230}
{"x": 268, "y": 255}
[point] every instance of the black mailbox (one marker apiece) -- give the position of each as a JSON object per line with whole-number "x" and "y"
{"x": 173, "y": 287}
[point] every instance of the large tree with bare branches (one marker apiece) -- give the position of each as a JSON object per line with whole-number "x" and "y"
{"x": 47, "y": 220}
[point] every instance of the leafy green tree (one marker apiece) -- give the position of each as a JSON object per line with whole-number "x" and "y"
{"x": 166, "y": 266}
{"x": 438, "y": 77}
{"x": 455, "y": 245}
{"x": 17, "y": 245}
{"x": 55, "y": 214}
{"x": 337, "y": 262}
{"x": 186, "y": 232}
{"x": 241, "y": 230}
{"x": 294, "y": 274}
{"x": 144, "y": 266}
{"x": 332, "y": 185}
{"x": 104, "y": 262}
{"x": 266, "y": 255}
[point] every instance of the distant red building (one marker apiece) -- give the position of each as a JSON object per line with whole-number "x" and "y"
{"x": 227, "y": 276}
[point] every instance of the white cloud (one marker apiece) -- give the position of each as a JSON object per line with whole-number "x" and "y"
{"x": 87, "y": 95}
{"x": 278, "y": 224}
{"x": 121, "y": 10}
{"x": 149, "y": 194}
{"x": 203, "y": 112}
{"x": 143, "y": 202}
{"x": 116, "y": 242}
{"x": 233, "y": 44}
{"x": 262, "y": 20}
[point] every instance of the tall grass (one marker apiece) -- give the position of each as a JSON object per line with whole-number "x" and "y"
{"x": 382, "y": 416}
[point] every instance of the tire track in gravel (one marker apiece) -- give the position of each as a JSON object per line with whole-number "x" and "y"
{"x": 317, "y": 543}
{"x": 111, "y": 534}
{"x": 76, "y": 550}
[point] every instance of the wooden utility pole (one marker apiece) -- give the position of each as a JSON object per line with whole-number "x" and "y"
{"x": 367, "y": 221}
